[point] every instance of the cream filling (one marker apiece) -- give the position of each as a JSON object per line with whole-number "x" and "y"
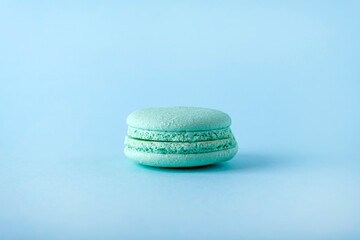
{"x": 183, "y": 136}
{"x": 179, "y": 147}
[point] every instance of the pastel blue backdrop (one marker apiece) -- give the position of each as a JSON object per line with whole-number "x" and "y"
{"x": 287, "y": 73}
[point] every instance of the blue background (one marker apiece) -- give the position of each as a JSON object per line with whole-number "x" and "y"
{"x": 287, "y": 73}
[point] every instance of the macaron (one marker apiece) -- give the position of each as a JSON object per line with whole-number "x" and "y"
{"x": 179, "y": 137}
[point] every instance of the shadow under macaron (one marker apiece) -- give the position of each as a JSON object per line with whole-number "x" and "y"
{"x": 242, "y": 162}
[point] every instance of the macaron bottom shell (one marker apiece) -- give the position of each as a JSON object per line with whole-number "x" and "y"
{"x": 180, "y": 160}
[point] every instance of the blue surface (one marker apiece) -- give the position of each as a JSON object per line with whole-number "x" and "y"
{"x": 287, "y": 74}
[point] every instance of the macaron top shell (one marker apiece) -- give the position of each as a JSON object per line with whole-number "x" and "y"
{"x": 178, "y": 119}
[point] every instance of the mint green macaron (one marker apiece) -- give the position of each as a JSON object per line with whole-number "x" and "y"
{"x": 179, "y": 137}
